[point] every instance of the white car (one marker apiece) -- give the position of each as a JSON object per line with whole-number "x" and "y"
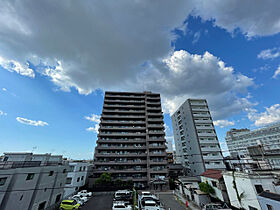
{"x": 79, "y": 200}
{"x": 85, "y": 193}
{"x": 120, "y": 205}
{"x": 83, "y": 198}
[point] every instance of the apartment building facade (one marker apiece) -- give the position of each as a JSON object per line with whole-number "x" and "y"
{"x": 31, "y": 181}
{"x": 196, "y": 142}
{"x": 131, "y": 140}
{"x": 238, "y": 140}
{"x": 76, "y": 177}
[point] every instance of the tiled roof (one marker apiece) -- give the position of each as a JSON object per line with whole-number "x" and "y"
{"x": 212, "y": 173}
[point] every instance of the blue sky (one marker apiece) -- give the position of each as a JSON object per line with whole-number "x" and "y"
{"x": 54, "y": 71}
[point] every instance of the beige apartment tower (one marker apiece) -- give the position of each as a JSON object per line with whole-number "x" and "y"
{"x": 131, "y": 140}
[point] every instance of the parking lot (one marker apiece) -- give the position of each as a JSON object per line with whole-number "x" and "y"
{"x": 99, "y": 202}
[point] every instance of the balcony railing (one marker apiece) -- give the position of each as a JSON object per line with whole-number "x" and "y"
{"x": 26, "y": 164}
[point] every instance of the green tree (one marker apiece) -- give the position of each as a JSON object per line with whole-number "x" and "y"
{"x": 118, "y": 183}
{"x": 104, "y": 179}
{"x": 129, "y": 184}
{"x": 207, "y": 188}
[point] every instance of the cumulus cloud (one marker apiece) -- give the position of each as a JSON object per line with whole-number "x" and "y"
{"x": 15, "y": 66}
{"x": 269, "y": 53}
{"x": 31, "y": 122}
{"x": 276, "y": 73}
{"x": 4, "y": 89}
{"x": 93, "y": 129}
{"x": 2, "y": 113}
{"x": 269, "y": 116}
{"x": 96, "y": 120}
{"x": 223, "y": 123}
{"x": 252, "y": 20}
{"x": 125, "y": 45}
{"x": 93, "y": 118}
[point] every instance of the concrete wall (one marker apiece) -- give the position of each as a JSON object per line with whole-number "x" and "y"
{"x": 264, "y": 201}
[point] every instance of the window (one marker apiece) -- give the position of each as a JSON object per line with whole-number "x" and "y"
{"x": 3, "y": 181}
{"x": 21, "y": 197}
{"x": 30, "y": 176}
{"x": 78, "y": 179}
{"x": 214, "y": 184}
{"x": 82, "y": 178}
{"x": 42, "y": 205}
{"x": 252, "y": 208}
{"x": 64, "y": 171}
{"x": 5, "y": 159}
{"x": 58, "y": 197}
{"x": 51, "y": 173}
{"x": 68, "y": 180}
{"x": 269, "y": 207}
{"x": 259, "y": 188}
{"x": 80, "y": 168}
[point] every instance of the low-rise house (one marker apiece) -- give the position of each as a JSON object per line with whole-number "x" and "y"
{"x": 31, "y": 181}
{"x": 201, "y": 198}
{"x": 76, "y": 177}
{"x": 269, "y": 201}
{"x": 244, "y": 187}
{"x": 215, "y": 179}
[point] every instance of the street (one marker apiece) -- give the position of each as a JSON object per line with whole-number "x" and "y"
{"x": 169, "y": 202}
{"x": 99, "y": 202}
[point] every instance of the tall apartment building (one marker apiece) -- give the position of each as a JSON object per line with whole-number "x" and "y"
{"x": 31, "y": 181}
{"x": 131, "y": 139}
{"x": 239, "y": 139}
{"x": 196, "y": 142}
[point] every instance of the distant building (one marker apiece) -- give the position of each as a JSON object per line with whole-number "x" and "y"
{"x": 238, "y": 140}
{"x": 244, "y": 188}
{"x": 31, "y": 181}
{"x": 265, "y": 153}
{"x": 215, "y": 179}
{"x": 131, "y": 142}
{"x": 170, "y": 159}
{"x": 196, "y": 142}
{"x": 169, "y": 146}
{"x": 76, "y": 177}
{"x": 269, "y": 200}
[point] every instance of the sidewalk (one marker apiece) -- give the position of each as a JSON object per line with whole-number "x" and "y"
{"x": 191, "y": 205}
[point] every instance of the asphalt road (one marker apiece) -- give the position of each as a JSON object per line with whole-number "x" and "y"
{"x": 99, "y": 202}
{"x": 170, "y": 203}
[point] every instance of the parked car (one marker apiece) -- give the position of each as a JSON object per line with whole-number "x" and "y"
{"x": 120, "y": 205}
{"x": 69, "y": 204}
{"x": 124, "y": 195}
{"x": 79, "y": 200}
{"x": 84, "y": 198}
{"x": 216, "y": 206}
{"x": 85, "y": 193}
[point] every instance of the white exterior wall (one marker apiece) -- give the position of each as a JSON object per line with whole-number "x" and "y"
{"x": 197, "y": 146}
{"x": 246, "y": 184}
{"x": 218, "y": 193}
{"x": 72, "y": 188}
{"x": 264, "y": 201}
{"x": 238, "y": 142}
{"x": 20, "y": 193}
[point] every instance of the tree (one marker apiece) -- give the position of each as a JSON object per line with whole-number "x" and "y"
{"x": 104, "y": 179}
{"x": 129, "y": 184}
{"x": 118, "y": 183}
{"x": 207, "y": 188}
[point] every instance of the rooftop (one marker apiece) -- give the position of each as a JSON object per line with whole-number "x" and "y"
{"x": 212, "y": 173}
{"x": 272, "y": 196}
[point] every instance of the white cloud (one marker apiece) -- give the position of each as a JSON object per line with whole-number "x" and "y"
{"x": 276, "y": 73}
{"x": 93, "y": 118}
{"x": 31, "y": 122}
{"x": 84, "y": 48}
{"x": 196, "y": 37}
{"x": 14, "y": 66}
{"x": 269, "y": 53}
{"x": 4, "y": 89}
{"x": 269, "y": 116}
{"x": 223, "y": 123}
{"x": 2, "y": 113}
{"x": 93, "y": 129}
{"x": 252, "y": 20}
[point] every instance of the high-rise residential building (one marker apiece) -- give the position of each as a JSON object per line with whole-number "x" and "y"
{"x": 196, "y": 142}
{"x": 131, "y": 140}
{"x": 238, "y": 140}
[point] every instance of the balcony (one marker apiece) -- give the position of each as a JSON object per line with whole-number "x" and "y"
{"x": 121, "y": 141}
{"x": 120, "y": 155}
{"x": 202, "y": 142}
{"x": 153, "y": 102}
{"x": 122, "y": 134}
{"x": 124, "y": 101}
{"x": 199, "y": 109}
{"x": 152, "y": 162}
{"x": 159, "y": 114}
{"x": 124, "y": 111}
{"x": 218, "y": 157}
{"x": 203, "y": 121}
{"x": 122, "y": 116}
{"x": 204, "y": 127}
{"x": 198, "y": 103}
{"x": 163, "y": 154}
{"x": 156, "y": 132}
{"x": 201, "y": 115}
{"x": 143, "y": 162}
{"x": 125, "y": 96}
{"x": 115, "y": 171}
{"x": 206, "y": 134}
{"x": 135, "y": 179}
{"x": 122, "y": 122}
{"x": 155, "y": 119}
{"x": 121, "y": 148}
{"x": 115, "y": 127}
{"x": 156, "y": 140}
{"x": 155, "y": 126}
{"x": 157, "y": 146}
{"x": 161, "y": 171}
{"x": 209, "y": 149}
{"x": 123, "y": 105}
{"x": 214, "y": 166}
